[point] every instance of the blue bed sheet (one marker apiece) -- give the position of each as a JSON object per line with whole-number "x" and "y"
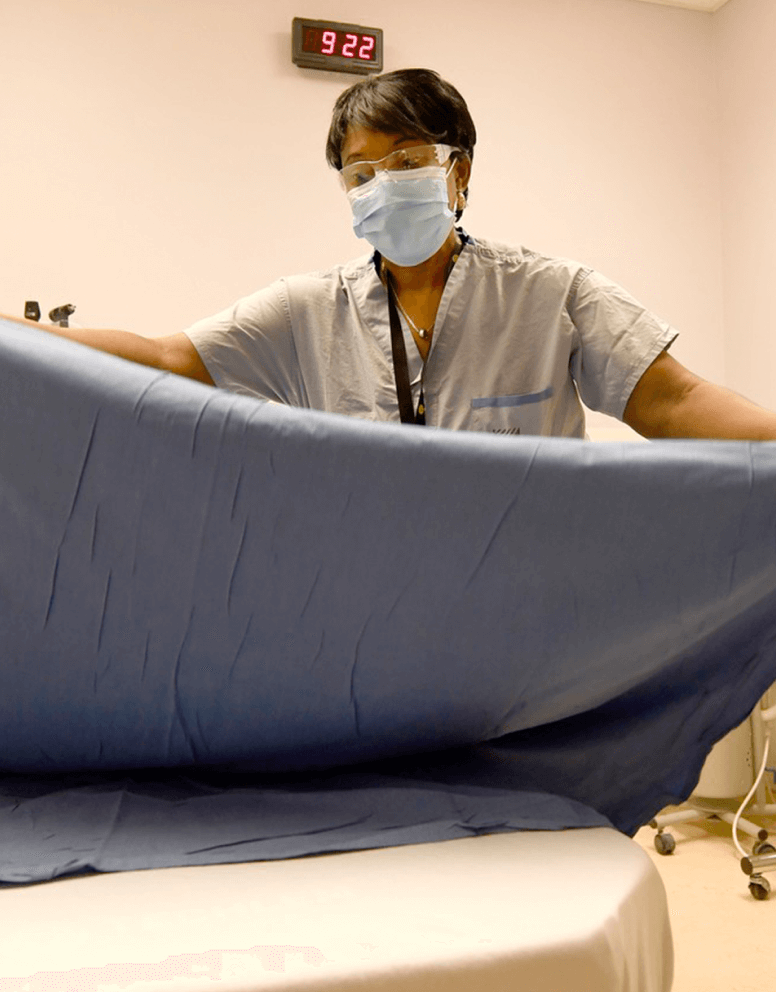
{"x": 230, "y": 630}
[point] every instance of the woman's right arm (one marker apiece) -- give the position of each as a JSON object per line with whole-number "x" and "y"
{"x": 172, "y": 353}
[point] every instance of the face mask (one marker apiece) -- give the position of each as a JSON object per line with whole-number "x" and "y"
{"x": 406, "y": 217}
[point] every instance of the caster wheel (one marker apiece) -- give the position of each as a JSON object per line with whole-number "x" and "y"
{"x": 763, "y": 847}
{"x": 664, "y": 844}
{"x": 759, "y": 887}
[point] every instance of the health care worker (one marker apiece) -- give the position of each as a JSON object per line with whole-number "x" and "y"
{"x": 434, "y": 326}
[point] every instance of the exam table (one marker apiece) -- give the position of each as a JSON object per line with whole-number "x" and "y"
{"x": 581, "y": 910}
{"x": 351, "y": 705}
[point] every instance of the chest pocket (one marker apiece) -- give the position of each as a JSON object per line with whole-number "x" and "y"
{"x": 520, "y": 413}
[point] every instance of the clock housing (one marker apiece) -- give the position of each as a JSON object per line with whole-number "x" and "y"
{"x": 336, "y": 46}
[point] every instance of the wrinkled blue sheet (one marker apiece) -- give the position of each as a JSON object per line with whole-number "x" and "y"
{"x": 232, "y": 631}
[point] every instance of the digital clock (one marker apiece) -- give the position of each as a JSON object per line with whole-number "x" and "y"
{"x": 337, "y": 47}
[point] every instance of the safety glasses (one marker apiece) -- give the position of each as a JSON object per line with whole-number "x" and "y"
{"x": 420, "y": 157}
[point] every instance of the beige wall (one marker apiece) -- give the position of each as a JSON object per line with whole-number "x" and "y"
{"x": 162, "y": 157}
{"x": 746, "y": 40}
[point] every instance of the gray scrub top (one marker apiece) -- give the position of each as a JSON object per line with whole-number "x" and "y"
{"x": 519, "y": 338}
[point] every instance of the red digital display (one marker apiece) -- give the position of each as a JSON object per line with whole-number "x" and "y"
{"x": 336, "y": 47}
{"x": 343, "y": 43}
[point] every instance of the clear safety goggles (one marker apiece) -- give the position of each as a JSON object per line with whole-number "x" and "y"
{"x": 420, "y": 157}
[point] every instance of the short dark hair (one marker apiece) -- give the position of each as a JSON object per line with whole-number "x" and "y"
{"x": 416, "y": 103}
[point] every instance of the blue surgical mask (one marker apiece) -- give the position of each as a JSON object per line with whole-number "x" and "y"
{"x": 405, "y": 216}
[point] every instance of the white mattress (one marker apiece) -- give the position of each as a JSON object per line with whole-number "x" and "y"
{"x": 582, "y": 910}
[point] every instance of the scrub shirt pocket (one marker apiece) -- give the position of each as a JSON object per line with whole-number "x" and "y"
{"x": 520, "y": 413}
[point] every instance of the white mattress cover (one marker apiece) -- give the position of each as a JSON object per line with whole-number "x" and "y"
{"x": 577, "y": 909}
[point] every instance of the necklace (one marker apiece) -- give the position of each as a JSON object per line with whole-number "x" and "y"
{"x": 422, "y": 333}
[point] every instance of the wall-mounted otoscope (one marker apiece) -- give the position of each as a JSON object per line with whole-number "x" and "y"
{"x": 60, "y": 315}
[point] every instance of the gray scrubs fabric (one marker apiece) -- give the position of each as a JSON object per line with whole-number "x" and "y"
{"x": 519, "y": 338}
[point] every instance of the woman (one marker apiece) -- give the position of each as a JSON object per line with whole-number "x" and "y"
{"x": 435, "y": 326}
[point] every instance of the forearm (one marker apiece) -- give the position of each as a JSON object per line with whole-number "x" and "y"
{"x": 124, "y": 344}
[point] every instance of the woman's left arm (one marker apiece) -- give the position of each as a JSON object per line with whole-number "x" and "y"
{"x": 670, "y": 401}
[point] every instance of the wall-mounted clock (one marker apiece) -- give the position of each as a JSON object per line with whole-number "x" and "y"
{"x": 336, "y": 47}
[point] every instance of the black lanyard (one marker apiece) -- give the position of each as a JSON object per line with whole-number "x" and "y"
{"x": 400, "y": 368}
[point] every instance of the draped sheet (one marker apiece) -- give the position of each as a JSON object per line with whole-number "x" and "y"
{"x": 231, "y": 631}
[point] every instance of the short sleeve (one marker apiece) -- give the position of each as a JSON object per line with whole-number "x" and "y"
{"x": 618, "y": 341}
{"x": 249, "y": 347}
